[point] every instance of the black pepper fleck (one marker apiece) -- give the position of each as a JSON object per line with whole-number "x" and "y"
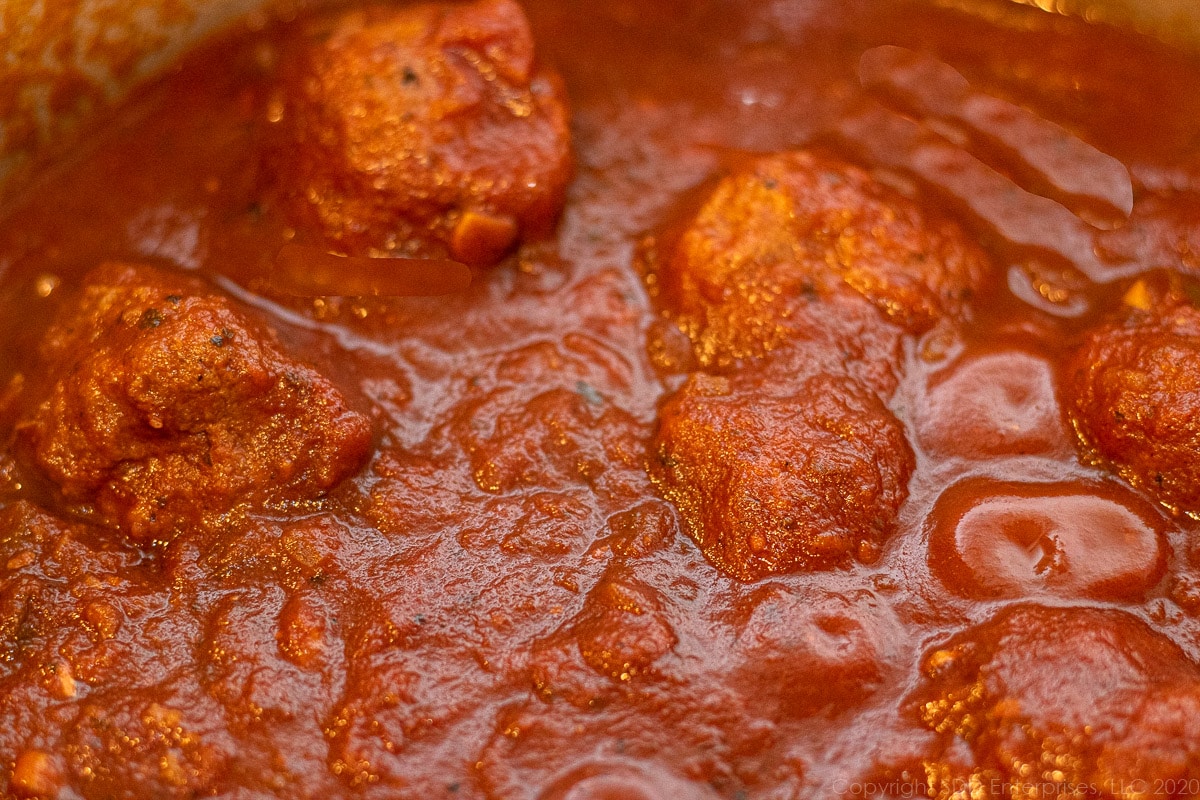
{"x": 150, "y": 318}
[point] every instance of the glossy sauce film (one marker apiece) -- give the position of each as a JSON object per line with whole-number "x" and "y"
{"x": 837, "y": 439}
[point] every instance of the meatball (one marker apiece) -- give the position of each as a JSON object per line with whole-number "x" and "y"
{"x": 848, "y": 337}
{"x": 165, "y": 404}
{"x": 1134, "y": 389}
{"x": 426, "y": 130}
{"x": 794, "y": 228}
{"x": 768, "y": 485}
{"x": 1052, "y": 700}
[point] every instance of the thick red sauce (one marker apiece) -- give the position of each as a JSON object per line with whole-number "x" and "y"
{"x": 491, "y": 588}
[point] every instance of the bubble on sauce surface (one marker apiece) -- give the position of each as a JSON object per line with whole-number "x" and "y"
{"x": 999, "y": 539}
{"x": 803, "y": 654}
{"x": 624, "y": 780}
{"x": 998, "y": 402}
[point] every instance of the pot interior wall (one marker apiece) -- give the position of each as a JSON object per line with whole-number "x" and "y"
{"x": 64, "y": 62}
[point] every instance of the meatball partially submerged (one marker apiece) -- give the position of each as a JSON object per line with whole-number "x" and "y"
{"x": 794, "y": 228}
{"x": 769, "y": 485}
{"x": 1053, "y": 701}
{"x": 1135, "y": 398}
{"x": 165, "y": 405}
{"x": 425, "y": 130}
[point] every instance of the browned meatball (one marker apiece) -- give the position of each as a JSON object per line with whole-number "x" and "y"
{"x": 1057, "y": 702}
{"x": 425, "y": 130}
{"x": 769, "y": 485}
{"x": 794, "y": 228}
{"x": 1134, "y": 388}
{"x": 165, "y": 404}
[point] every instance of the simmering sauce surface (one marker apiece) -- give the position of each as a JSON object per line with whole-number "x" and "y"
{"x": 842, "y": 439}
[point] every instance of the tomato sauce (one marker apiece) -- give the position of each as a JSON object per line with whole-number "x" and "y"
{"x": 554, "y": 536}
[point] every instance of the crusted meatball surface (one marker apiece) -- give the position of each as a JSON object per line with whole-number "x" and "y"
{"x": 1066, "y": 701}
{"x": 426, "y": 130}
{"x": 793, "y": 228}
{"x": 770, "y": 484}
{"x": 166, "y": 404}
{"x": 1134, "y": 389}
